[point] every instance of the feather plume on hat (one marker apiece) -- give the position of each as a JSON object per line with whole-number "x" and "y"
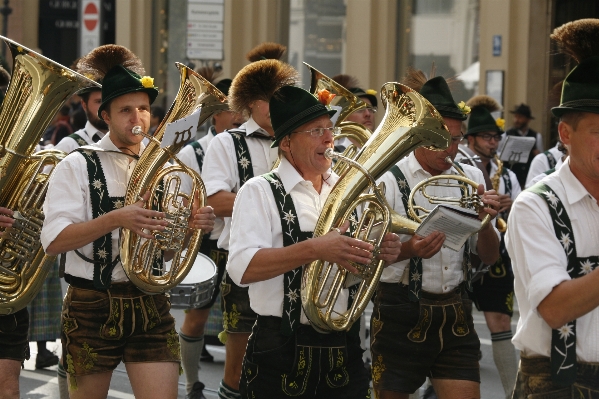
{"x": 346, "y": 81}
{"x": 484, "y": 101}
{"x": 266, "y": 51}
{"x": 208, "y": 73}
{"x": 578, "y": 38}
{"x": 4, "y": 77}
{"x": 259, "y": 81}
{"x": 416, "y": 78}
{"x": 102, "y": 59}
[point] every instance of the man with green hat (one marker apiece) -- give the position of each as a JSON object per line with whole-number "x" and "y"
{"x": 421, "y": 324}
{"x": 364, "y": 116}
{"x": 191, "y": 334}
{"x": 493, "y": 293}
{"x": 552, "y": 240}
{"x": 106, "y": 319}
{"x": 273, "y": 218}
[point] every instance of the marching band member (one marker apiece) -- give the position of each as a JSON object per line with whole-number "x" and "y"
{"x": 421, "y": 323}
{"x": 106, "y": 319}
{"x": 14, "y": 344}
{"x": 233, "y": 158}
{"x": 493, "y": 293}
{"x": 191, "y": 335}
{"x": 552, "y": 239}
{"x": 285, "y": 356}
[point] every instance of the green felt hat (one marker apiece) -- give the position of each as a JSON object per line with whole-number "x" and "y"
{"x": 580, "y": 91}
{"x": 480, "y": 119}
{"x": 291, "y": 107}
{"x": 437, "y": 92}
{"x": 224, "y": 85}
{"x": 368, "y": 94}
{"x": 120, "y": 80}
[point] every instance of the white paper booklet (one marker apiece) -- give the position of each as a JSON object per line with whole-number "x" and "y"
{"x": 516, "y": 149}
{"x": 458, "y": 224}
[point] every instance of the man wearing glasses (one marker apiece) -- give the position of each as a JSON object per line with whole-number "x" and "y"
{"x": 493, "y": 293}
{"x": 421, "y": 324}
{"x": 271, "y": 239}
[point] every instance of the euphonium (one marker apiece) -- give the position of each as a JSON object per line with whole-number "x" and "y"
{"x": 142, "y": 258}
{"x": 347, "y": 103}
{"x": 37, "y": 89}
{"x": 410, "y": 122}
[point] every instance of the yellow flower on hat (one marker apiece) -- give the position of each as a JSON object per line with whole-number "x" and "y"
{"x": 500, "y": 123}
{"x": 147, "y": 82}
{"x": 371, "y": 92}
{"x": 464, "y": 108}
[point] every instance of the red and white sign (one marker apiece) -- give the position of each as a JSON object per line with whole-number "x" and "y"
{"x": 89, "y": 32}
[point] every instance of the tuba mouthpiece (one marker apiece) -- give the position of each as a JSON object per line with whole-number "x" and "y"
{"x": 137, "y": 130}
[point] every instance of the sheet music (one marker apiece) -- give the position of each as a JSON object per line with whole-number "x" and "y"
{"x": 181, "y": 130}
{"x": 457, "y": 226}
{"x": 516, "y": 149}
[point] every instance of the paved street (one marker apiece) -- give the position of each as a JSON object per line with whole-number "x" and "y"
{"x": 42, "y": 384}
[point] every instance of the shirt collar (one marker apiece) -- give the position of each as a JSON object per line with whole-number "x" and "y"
{"x": 90, "y": 130}
{"x": 414, "y": 167}
{"x": 252, "y": 127}
{"x": 107, "y": 144}
{"x": 574, "y": 189}
{"x": 291, "y": 177}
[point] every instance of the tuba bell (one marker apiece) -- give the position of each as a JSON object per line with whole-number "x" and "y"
{"x": 142, "y": 259}
{"x": 410, "y": 122}
{"x": 37, "y": 89}
{"x": 347, "y": 103}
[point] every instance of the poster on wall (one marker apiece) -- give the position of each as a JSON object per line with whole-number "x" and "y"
{"x": 205, "y": 26}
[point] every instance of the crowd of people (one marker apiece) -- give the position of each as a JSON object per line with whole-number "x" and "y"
{"x": 268, "y": 174}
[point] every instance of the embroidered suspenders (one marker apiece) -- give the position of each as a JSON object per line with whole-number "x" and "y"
{"x": 78, "y": 139}
{"x": 244, "y": 160}
{"x": 415, "y": 283}
{"x": 563, "y": 340}
{"x": 101, "y": 203}
{"x": 199, "y": 151}
{"x": 550, "y": 159}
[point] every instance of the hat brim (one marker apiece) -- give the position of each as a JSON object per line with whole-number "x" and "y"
{"x": 484, "y": 128}
{"x": 150, "y": 91}
{"x": 559, "y": 111}
{"x": 372, "y": 99}
{"x": 89, "y": 89}
{"x": 288, "y": 130}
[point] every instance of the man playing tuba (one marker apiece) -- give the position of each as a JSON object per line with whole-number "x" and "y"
{"x": 273, "y": 217}
{"x": 421, "y": 324}
{"x": 106, "y": 318}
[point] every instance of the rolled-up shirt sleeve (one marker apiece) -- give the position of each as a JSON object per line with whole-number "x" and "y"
{"x": 65, "y": 202}
{"x": 537, "y": 255}
{"x": 219, "y": 171}
{"x": 251, "y": 226}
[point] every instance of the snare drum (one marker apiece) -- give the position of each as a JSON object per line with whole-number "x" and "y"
{"x": 197, "y": 288}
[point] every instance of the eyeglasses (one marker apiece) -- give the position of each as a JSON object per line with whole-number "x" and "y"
{"x": 319, "y": 131}
{"x": 489, "y": 137}
{"x": 363, "y": 110}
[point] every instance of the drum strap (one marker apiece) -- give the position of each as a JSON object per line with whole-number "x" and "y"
{"x": 101, "y": 203}
{"x": 415, "y": 283}
{"x": 563, "y": 340}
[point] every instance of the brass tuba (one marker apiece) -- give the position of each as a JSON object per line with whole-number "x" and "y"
{"x": 142, "y": 258}
{"x": 410, "y": 122}
{"x": 348, "y": 103}
{"x": 37, "y": 89}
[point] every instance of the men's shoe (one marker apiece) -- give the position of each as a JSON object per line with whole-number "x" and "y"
{"x": 206, "y": 356}
{"x": 196, "y": 391}
{"x": 45, "y": 359}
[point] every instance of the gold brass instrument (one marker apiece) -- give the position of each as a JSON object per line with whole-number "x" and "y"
{"x": 37, "y": 89}
{"x": 501, "y": 224}
{"x": 410, "y": 122}
{"x": 348, "y": 103}
{"x": 138, "y": 254}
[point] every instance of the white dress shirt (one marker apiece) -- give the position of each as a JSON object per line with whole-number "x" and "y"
{"x": 69, "y": 144}
{"x": 220, "y": 171}
{"x": 540, "y": 164}
{"x": 257, "y": 224}
{"x": 187, "y": 155}
{"x": 541, "y": 176}
{"x": 540, "y": 263}
{"x": 443, "y": 272}
{"x": 68, "y": 202}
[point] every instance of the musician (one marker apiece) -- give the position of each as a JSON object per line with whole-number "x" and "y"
{"x": 493, "y": 293}
{"x": 364, "y": 116}
{"x": 285, "y": 356}
{"x": 551, "y": 159}
{"x": 191, "y": 335}
{"x": 233, "y": 158}
{"x": 408, "y": 342}
{"x": 106, "y": 318}
{"x": 552, "y": 240}
{"x": 14, "y": 345}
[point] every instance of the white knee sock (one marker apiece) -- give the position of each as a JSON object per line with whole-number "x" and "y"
{"x": 504, "y": 355}
{"x": 63, "y": 384}
{"x": 191, "y": 350}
